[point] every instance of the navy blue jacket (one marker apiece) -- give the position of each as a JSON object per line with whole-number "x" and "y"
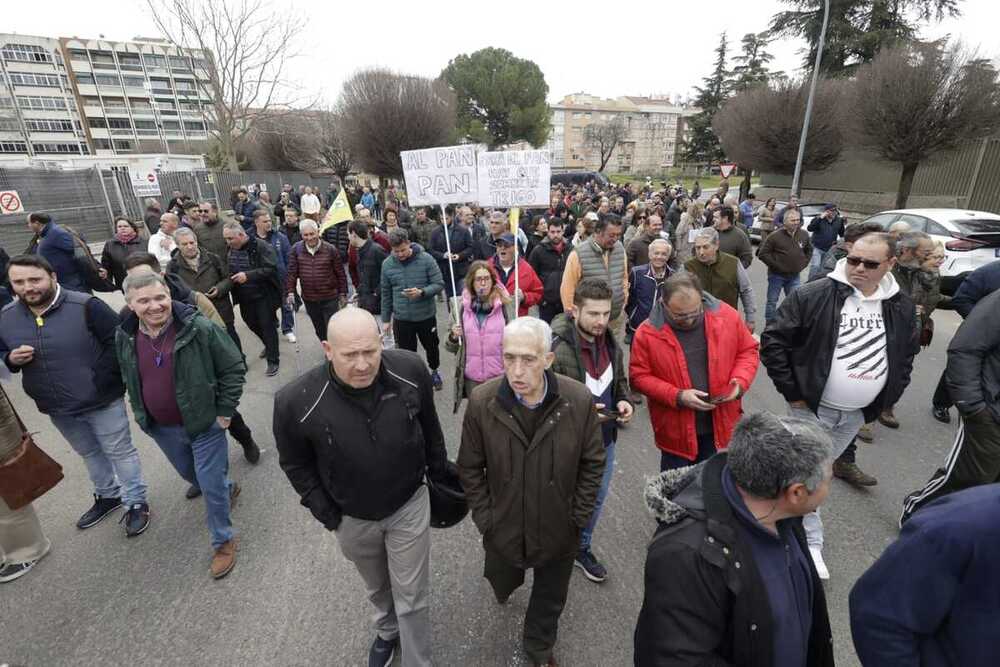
{"x": 461, "y": 245}
{"x": 932, "y": 598}
{"x": 74, "y": 369}
{"x": 56, "y": 245}
{"x": 825, "y": 233}
{"x": 979, "y": 283}
{"x": 246, "y": 209}
{"x": 642, "y": 294}
{"x": 282, "y": 247}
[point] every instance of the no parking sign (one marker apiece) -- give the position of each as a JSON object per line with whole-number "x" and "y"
{"x": 10, "y": 202}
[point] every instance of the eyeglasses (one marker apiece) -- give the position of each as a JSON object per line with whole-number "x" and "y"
{"x": 870, "y": 265}
{"x": 205, "y": 210}
{"x": 482, "y": 279}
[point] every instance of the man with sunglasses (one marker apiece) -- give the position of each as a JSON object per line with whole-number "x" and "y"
{"x": 841, "y": 349}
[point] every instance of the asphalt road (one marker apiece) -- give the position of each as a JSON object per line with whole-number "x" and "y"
{"x": 99, "y": 598}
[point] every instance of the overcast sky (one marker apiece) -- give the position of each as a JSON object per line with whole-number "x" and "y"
{"x": 639, "y": 48}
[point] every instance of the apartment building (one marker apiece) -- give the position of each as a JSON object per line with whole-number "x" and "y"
{"x": 71, "y": 96}
{"x": 654, "y": 129}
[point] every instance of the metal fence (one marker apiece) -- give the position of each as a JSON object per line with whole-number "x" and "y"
{"x": 89, "y": 199}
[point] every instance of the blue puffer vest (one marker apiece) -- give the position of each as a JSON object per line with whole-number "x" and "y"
{"x": 72, "y": 372}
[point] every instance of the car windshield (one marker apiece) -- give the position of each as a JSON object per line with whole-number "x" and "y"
{"x": 978, "y": 226}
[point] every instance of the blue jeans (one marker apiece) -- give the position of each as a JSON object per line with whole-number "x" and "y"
{"x": 816, "y": 262}
{"x": 609, "y": 471}
{"x": 287, "y": 318}
{"x": 204, "y": 462}
{"x": 103, "y": 439}
{"x": 775, "y": 283}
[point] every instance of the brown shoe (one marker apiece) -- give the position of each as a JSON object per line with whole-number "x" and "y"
{"x": 224, "y": 560}
{"x": 888, "y": 419}
{"x": 865, "y": 433}
{"x": 852, "y": 474}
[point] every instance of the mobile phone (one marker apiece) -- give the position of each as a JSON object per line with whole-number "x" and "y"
{"x": 607, "y": 413}
{"x": 717, "y": 399}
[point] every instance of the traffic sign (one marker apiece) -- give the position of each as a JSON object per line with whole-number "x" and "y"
{"x": 10, "y": 202}
{"x": 726, "y": 169}
{"x": 145, "y": 184}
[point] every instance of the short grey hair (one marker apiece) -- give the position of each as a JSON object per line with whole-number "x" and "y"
{"x": 665, "y": 242}
{"x": 910, "y": 241}
{"x": 899, "y": 227}
{"x": 730, "y": 200}
{"x": 235, "y": 226}
{"x": 497, "y": 215}
{"x": 167, "y": 217}
{"x": 768, "y": 453}
{"x": 538, "y": 329}
{"x": 398, "y": 237}
{"x": 710, "y": 234}
{"x": 308, "y": 224}
{"x": 185, "y": 231}
{"x": 134, "y": 281}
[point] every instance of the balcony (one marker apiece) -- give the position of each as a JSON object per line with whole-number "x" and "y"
{"x": 148, "y": 133}
{"x": 136, "y": 67}
{"x": 102, "y": 65}
{"x": 121, "y": 132}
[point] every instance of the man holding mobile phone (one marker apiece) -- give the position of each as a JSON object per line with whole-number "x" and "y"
{"x": 586, "y": 350}
{"x": 693, "y": 359}
{"x": 411, "y": 282}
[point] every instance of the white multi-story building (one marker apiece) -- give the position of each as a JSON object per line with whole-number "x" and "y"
{"x": 93, "y": 96}
{"x": 654, "y": 128}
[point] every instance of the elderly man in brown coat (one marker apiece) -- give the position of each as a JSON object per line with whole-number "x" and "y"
{"x": 531, "y": 462}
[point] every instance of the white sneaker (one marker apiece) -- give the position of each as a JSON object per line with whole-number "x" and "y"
{"x": 290, "y": 337}
{"x": 817, "y": 556}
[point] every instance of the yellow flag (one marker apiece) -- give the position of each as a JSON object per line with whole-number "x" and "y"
{"x": 340, "y": 210}
{"x": 515, "y": 219}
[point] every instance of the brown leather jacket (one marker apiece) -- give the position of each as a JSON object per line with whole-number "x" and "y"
{"x": 530, "y": 495}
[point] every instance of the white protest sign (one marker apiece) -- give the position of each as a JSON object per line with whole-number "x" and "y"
{"x": 445, "y": 175}
{"x": 145, "y": 184}
{"x": 514, "y": 178}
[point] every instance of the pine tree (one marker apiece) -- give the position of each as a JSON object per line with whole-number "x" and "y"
{"x": 753, "y": 60}
{"x": 702, "y": 145}
{"x": 858, "y": 29}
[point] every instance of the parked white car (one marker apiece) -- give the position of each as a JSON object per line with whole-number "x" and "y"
{"x": 971, "y": 238}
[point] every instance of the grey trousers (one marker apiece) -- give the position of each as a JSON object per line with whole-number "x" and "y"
{"x": 393, "y": 558}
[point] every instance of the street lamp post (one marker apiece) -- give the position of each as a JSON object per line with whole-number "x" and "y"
{"x": 809, "y": 101}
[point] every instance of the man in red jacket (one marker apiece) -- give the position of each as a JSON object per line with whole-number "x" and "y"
{"x": 527, "y": 280}
{"x": 316, "y": 266}
{"x": 693, "y": 359}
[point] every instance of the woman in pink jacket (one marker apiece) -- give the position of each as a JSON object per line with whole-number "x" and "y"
{"x": 478, "y": 336}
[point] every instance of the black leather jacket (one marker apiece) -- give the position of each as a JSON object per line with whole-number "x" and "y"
{"x": 973, "y": 371}
{"x": 797, "y": 347}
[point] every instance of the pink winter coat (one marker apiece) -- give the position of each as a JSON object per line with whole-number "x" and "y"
{"x": 483, "y": 355}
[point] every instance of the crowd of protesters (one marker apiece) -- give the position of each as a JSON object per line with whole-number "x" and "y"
{"x": 637, "y": 292}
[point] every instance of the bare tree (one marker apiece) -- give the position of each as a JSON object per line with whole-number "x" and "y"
{"x": 247, "y": 45}
{"x": 604, "y": 137}
{"x": 331, "y": 148}
{"x": 760, "y": 128}
{"x": 383, "y": 113}
{"x": 913, "y": 102}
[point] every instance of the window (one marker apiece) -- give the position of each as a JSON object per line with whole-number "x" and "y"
{"x": 122, "y": 145}
{"x": 141, "y": 106}
{"x": 918, "y": 223}
{"x": 119, "y": 123}
{"x": 114, "y": 103}
{"x": 160, "y": 85}
{"x": 13, "y": 147}
{"x": 84, "y": 149}
{"x": 196, "y": 126}
{"x": 9, "y": 125}
{"x": 154, "y": 60}
{"x": 56, "y": 148}
{"x": 172, "y": 125}
{"x": 180, "y": 62}
{"x": 934, "y": 229}
{"x": 28, "y": 79}
{"x": 85, "y": 79}
{"x": 102, "y": 144}
{"x": 25, "y": 53}
{"x": 134, "y": 81}
{"x": 97, "y": 122}
{"x": 6, "y": 102}
{"x": 184, "y": 84}
{"x": 129, "y": 61}
{"x": 201, "y": 63}
{"x": 78, "y": 54}
{"x": 145, "y": 125}
{"x": 34, "y": 102}
{"x": 48, "y": 125}
{"x": 107, "y": 79}
{"x": 884, "y": 219}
